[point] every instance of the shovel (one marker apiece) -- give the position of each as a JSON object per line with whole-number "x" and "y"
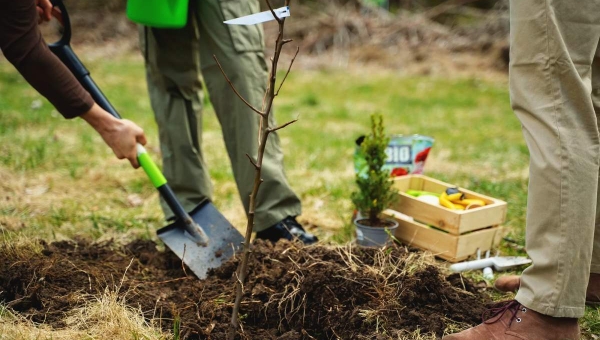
{"x": 203, "y": 239}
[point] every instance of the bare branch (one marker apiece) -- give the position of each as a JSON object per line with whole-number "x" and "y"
{"x": 253, "y": 162}
{"x": 288, "y": 71}
{"x": 285, "y": 41}
{"x": 235, "y": 90}
{"x": 182, "y": 263}
{"x": 279, "y": 20}
{"x": 237, "y": 278}
{"x": 282, "y": 126}
{"x": 263, "y": 135}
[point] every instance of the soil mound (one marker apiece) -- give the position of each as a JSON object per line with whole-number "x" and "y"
{"x": 293, "y": 292}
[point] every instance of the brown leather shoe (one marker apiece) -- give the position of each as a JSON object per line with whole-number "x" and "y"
{"x": 511, "y": 283}
{"x": 511, "y": 321}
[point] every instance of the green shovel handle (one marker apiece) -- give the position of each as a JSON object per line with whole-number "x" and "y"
{"x": 154, "y": 174}
{"x": 160, "y": 182}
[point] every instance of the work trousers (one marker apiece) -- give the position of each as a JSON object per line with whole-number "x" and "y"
{"x": 555, "y": 92}
{"x": 175, "y": 59}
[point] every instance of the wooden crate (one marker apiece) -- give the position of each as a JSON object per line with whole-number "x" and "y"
{"x": 455, "y": 222}
{"x": 453, "y": 248}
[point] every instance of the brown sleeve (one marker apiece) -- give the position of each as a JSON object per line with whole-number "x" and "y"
{"x": 22, "y": 44}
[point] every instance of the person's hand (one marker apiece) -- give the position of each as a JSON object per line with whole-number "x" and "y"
{"x": 57, "y": 14}
{"x": 44, "y": 8}
{"x": 121, "y": 135}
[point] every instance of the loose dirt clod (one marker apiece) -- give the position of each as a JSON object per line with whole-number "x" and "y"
{"x": 294, "y": 292}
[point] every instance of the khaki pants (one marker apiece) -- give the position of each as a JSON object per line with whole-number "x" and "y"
{"x": 175, "y": 58}
{"x": 555, "y": 87}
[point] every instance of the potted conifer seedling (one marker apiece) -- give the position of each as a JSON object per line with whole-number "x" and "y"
{"x": 375, "y": 189}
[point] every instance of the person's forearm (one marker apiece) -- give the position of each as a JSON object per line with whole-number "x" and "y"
{"x": 100, "y": 120}
{"x": 22, "y": 44}
{"x": 121, "y": 135}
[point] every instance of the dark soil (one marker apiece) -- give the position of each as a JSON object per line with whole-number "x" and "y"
{"x": 293, "y": 292}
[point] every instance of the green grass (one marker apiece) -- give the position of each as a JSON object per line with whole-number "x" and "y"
{"x": 333, "y": 109}
{"x": 60, "y": 181}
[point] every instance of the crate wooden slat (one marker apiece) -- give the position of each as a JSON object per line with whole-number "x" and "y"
{"x": 455, "y": 222}
{"x": 453, "y": 248}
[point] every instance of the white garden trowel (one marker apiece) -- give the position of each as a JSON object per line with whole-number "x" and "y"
{"x": 500, "y": 263}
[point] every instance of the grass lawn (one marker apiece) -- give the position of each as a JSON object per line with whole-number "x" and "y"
{"x": 60, "y": 181}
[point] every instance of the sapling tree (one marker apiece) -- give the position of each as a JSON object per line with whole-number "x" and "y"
{"x": 375, "y": 189}
{"x": 264, "y": 131}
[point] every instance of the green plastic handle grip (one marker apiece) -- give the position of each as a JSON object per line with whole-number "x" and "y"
{"x": 153, "y": 172}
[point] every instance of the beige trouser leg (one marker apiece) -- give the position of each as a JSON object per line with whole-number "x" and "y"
{"x": 595, "y": 268}
{"x": 553, "y": 43}
{"x": 174, "y": 61}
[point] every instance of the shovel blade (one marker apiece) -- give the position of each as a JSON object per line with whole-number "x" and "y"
{"x": 224, "y": 240}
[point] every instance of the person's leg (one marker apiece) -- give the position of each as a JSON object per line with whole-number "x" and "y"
{"x": 239, "y": 49}
{"x": 512, "y": 283}
{"x": 172, "y": 72}
{"x": 552, "y": 47}
{"x": 593, "y": 290}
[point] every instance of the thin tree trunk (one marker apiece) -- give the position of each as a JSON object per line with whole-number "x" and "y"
{"x": 264, "y": 131}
